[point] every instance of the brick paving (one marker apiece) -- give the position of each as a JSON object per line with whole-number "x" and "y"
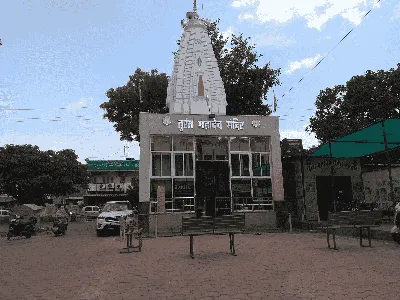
{"x": 269, "y": 266}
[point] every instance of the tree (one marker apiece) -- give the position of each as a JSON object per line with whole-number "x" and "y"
{"x": 364, "y": 100}
{"x": 246, "y": 86}
{"x": 144, "y": 92}
{"x": 30, "y": 175}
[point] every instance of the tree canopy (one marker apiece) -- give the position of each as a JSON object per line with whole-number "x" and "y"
{"x": 246, "y": 86}
{"x": 30, "y": 175}
{"x": 364, "y": 100}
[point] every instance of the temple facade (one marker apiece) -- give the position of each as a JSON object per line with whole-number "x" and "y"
{"x": 196, "y": 158}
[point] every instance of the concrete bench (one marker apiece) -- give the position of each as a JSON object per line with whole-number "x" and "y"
{"x": 226, "y": 224}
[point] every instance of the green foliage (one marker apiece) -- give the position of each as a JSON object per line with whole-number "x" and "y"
{"x": 246, "y": 86}
{"x": 30, "y": 175}
{"x": 364, "y": 100}
{"x": 144, "y": 92}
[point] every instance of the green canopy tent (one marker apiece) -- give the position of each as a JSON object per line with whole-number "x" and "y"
{"x": 380, "y": 137}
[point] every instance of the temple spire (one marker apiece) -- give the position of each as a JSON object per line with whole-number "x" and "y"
{"x": 194, "y": 6}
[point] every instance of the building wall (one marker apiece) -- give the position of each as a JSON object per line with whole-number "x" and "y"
{"x": 99, "y": 176}
{"x": 152, "y": 124}
{"x": 314, "y": 167}
{"x": 377, "y": 188}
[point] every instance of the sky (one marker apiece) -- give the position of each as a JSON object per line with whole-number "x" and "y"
{"x": 59, "y": 58}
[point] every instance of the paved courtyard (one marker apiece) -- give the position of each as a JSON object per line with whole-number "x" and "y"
{"x": 270, "y": 266}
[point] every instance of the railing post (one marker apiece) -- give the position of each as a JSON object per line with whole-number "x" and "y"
{"x": 290, "y": 222}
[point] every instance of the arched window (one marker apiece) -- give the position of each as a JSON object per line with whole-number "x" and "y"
{"x": 200, "y": 86}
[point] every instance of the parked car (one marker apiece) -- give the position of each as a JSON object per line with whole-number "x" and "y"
{"x": 108, "y": 220}
{"x": 90, "y": 212}
{"x": 6, "y": 216}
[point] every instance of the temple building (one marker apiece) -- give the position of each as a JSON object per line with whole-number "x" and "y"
{"x": 198, "y": 158}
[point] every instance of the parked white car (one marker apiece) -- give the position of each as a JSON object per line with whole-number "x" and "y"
{"x": 108, "y": 220}
{"x": 90, "y": 212}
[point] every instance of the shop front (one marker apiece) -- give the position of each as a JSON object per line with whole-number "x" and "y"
{"x": 327, "y": 187}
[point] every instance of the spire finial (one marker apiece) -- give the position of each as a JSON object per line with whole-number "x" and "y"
{"x": 194, "y": 6}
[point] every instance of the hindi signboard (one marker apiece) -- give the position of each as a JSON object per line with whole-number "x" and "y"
{"x": 233, "y": 123}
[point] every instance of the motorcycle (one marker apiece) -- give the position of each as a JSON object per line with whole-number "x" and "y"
{"x": 21, "y": 226}
{"x": 60, "y": 226}
{"x": 396, "y": 228}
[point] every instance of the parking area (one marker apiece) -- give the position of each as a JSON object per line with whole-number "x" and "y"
{"x": 268, "y": 266}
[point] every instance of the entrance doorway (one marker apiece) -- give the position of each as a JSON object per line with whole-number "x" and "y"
{"x": 342, "y": 198}
{"x": 212, "y": 181}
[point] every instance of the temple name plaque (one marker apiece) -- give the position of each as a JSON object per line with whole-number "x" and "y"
{"x": 233, "y": 124}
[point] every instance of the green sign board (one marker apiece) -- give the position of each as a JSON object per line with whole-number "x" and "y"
{"x": 110, "y": 165}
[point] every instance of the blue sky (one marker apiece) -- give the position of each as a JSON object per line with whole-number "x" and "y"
{"x": 58, "y": 58}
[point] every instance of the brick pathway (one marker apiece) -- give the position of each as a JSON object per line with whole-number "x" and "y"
{"x": 271, "y": 266}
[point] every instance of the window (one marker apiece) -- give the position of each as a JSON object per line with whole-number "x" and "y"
{"x": 235, "y": 163}
{"x": 205, "y": 148}
{"x": 161, "y": 143}
{"x": 260, "y": 164}
{"x": 154, "y": 183}
{"x": 240, "y": 144}
{"x": 178, "y": 164}
{"x": 183, "y": 164}
{"x": 200, "y": 87}
{"x": 262, "y": 188}
{"x": 241, "y": 187}
{"x": 183, "y": 187}
{"x": 221, "y": 149}
{"x": 161, "y": 164}
{"x": 244, "y": 164}
{"x": 259, "y": 144}
{"x": 240, "y": 164}
{"x": 188, "y": 162}
{"x": 183, "y": 143}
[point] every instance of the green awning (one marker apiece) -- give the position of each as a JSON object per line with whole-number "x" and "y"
{"x": 364, "y": 142}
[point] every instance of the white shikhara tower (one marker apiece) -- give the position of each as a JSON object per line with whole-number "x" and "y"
{"x": 195, "y": 86}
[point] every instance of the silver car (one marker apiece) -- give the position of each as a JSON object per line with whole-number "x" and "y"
{"x": 90, "y": 212}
